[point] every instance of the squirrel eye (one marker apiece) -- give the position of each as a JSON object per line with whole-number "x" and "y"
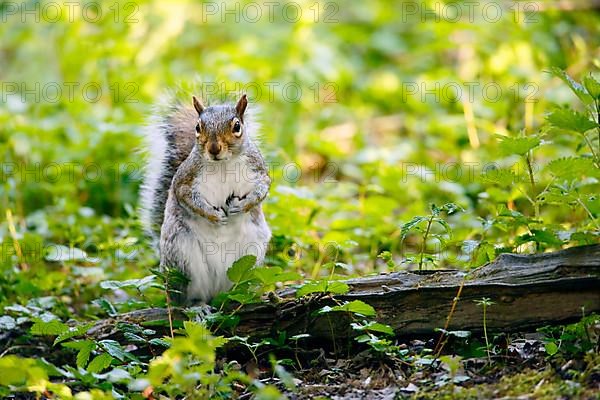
{"x": 198, "y": 127}
{"x": 237, "y": 127}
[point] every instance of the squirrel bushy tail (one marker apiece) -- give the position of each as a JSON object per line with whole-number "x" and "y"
{"x": 169, "y": 139}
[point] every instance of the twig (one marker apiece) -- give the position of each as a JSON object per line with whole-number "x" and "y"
{"x": 169, "y": 310}
{"x": 440, "y": 345}
{"x": 425, "y": 240}
{"x": 582, "y": 204}
{"x": 13, "y": 235}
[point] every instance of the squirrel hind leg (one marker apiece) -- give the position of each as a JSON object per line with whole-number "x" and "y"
{"x": 184, "y": 252}
{"x": 174, "y": 263}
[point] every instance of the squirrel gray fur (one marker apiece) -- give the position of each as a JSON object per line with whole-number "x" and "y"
{"x": 204, "y": 184}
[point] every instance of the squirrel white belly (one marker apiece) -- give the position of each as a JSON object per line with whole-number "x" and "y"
{"x": 205, "y": 182}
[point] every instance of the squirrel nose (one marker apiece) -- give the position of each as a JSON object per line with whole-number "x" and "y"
{"x": 214, "y": 149}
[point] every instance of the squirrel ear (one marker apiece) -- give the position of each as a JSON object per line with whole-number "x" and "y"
{"x": 241, "y": 105}
{"x": 197, "y": 105}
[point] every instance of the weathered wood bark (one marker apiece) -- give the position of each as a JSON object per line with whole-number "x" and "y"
{"x": 527, "y": 291}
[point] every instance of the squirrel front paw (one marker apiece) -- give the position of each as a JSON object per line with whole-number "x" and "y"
{"x": 234, "y": 205}
{"x": 219, "y": 217}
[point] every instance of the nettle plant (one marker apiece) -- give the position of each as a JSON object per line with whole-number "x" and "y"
{"x": 428, "y": 227}
{"x": 566, "y": 187}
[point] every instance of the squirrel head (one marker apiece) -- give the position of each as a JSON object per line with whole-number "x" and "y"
{"x": 220, "y": 131}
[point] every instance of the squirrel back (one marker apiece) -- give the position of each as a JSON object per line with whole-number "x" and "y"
{"x": 169, "y": 139}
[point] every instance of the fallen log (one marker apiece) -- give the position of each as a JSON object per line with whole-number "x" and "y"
{"x": 527, "y": 291}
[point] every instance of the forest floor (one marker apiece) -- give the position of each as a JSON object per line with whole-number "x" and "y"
{"x": 521, "y": 369}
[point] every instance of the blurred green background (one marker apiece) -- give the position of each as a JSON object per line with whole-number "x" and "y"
{"x": 376, "y": 109}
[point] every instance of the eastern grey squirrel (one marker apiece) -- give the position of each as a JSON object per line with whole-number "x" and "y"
{"x": 204, "y": 184}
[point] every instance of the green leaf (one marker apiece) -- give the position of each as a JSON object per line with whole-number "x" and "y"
{"x": 72, "y": 332}
{"x": 551, "y": 348}
{"x": 311, "y": 287}
{"x": 85, "y": 348}
{"x": 241, "y": 270}
{"x": 546, "y": 236}
{"x": 356, "y": 307}
{"x": 244, "y": 298}
{"x": 373, "y": 326}
{"x": 271, "y": 275}
{"x": 83, "y": 356}
{"x": 517, "y": 145}
{"x": 323, "y": 286}
{"x": 413, "y": 223}
{"x": 113, "y": 348}
{"x": 451, "y": 208}
{"x": 140, "y": 284}
{"x": 559, "y": 196}
{"x": 514, "y": 215}
{"x": 106, "y": 306}
{"x": 501, "y": 177}
{"x": 571, "y": 120}
{"x": 50, "y": 328}
{"x": 570, "y": 167}
{"x": 539, "y": 236}
{"x": 133, "y": 338}
{"x": 195, "y": 330}
{"x": 18, "y": 371}
{"x": 443, "y": 224}
{"x": 99, "y": 363}
{"x": 267, "y": 274}
{"x": 160, "y": 342}
{"x": 592, "y": 86}
{"x": 575, "y": 87}
{"x": 58, "y": 253}
{"x": 336, "y": 287}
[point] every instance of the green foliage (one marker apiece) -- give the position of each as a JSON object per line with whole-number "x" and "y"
{"x": 84, "y": 350}
{"x": 250, "y": 281}
{"x": 570, "y": 168}
{"x": 357, "y": 307}
{"x": 426, "y": 226}
{"x": 518, "y": 145}
{"x": 188, "y": 368}
{"x": 322, "y": 286}
{"x": 357, "y": 163}
{"x": 485, "y": 302}
{"x": 573, "y": 340}
{"x": 571, "y": 120}
{"x": 575, "y": 87}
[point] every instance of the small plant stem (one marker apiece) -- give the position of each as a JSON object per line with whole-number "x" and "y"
{"x": 332, "y": 335}
{"x": 13, "y": 234}
{"x": 441, "y": 343}
{"x": 594, "y": 155}
{"x": 425, "y": 241}
{"x": 589, "y": 213}
{"x": 485, "y": 335}
{"x": 297, "y": 358}
{"x": 238, "y": 308}
{"x": 529, "y": 199}
{"x": 169, "y": 310}
{"x": 597, "y": 104}
{"x": 317, "y": 267}
{"x": 548, "y": 185}
{"x": 536, "y": 206}
{"x": 530, "y": 170}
